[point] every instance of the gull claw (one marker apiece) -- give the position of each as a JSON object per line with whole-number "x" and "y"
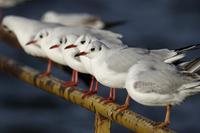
{"x": 69, "y": 84}
{"x": 122, "y": 108}
{"x": 88, "y": 93}
{"x": 162, "y": 124}
{"x": 107, "y": 100}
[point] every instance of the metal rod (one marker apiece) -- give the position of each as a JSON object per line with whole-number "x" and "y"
{"x": 127, "y": 118}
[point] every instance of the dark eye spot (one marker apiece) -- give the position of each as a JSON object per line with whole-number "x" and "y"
{"x": 5, "y": 27}
{"x": 10, "y": 32}
{"x": 100, "y": 48}
{"x": 61, "y": 41}
{"x": 82, "y": 42}
{"x": 92, "y": 49}
{"x": 41, "y": 36}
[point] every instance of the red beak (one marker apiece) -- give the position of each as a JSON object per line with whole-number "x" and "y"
{"x": 71, "y": 46}
{"x": 32, "y": 42}
{"x": 54, "y": 46}
{"x": 81, "y": 54}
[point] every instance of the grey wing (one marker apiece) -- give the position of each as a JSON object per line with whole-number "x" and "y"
{"x": 157, "y": 77}
{"x": 121, "y": 60}
{"x": 107, "y": 36}
{"x": 166, "y": 55}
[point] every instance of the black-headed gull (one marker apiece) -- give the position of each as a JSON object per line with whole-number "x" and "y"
{"x": 25, "y": 29}
{"x": 73, "y": 19}
{"x": 69, "y": 50}
{"x": 110, "y": 66}
{"x": 57, "y": 32}
{"x": 155, "y": 83}
{"x": 85, "y": 40}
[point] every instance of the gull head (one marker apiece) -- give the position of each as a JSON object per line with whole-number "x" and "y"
{"x": 92, "y": 49}
{"x": 39, "y": 37}
{"x": 70, "y": 40}
{"x": 83, "y": 41}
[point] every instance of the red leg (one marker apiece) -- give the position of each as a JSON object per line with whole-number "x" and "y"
{"x": 96, "y": 87}
{"x": 74, "y": 80}
{"x": 91, "y": 85}
{"x": 48, "y": 71}
{"x": 125, "y": 105}
{"x": 111, "y": 98}
{"x": 91, "y": 91}
{"x": 167, "y": 118}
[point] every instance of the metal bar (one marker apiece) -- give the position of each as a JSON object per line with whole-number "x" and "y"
{"x": 102, "y": 124}
{"x": 127, "y": 118}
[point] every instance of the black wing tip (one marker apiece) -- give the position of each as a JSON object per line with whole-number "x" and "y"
{"x": 111, "y": 24}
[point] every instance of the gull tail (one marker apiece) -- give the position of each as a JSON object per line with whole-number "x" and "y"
{"x": 111, "y": 24}
{"x": 192, "y": 66}
{"x": 190, "y": 89}
{"x": 179, "y": 53}
{"x": 187, "y": 48}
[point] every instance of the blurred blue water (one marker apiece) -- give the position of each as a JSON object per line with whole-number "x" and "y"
{"x": 150, "y": 24}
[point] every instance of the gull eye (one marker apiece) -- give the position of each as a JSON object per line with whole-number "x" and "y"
{"x": 5, "y": 27}
{"x": 41, "y": 36}
{"x": 100, "y": 48}
{"x": 82, "y": 42}
{"x": 61, "y": 41}
{"x": 92, "y": 49}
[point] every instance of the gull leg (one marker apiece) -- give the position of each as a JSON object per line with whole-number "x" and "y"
{"x": 48, "y": 71}
{"x": 125, "y": 105}
{"x": 96, "y": 87}
{"x": 91, "y": 91}
{"x": 111, "y": 98}
{"x": 74, "y": 80}
{"x": 167, "y": 118}
{"x": 91, "y": 85}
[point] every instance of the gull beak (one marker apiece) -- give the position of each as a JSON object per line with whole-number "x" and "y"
{"x": 81, "y": 54}
{"x": 54, "y": 46}
{"x": 31, "y": 42}
{"x": 70, "y": 46}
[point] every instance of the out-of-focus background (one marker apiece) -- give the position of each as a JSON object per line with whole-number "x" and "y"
{"x": 150, "y": 24}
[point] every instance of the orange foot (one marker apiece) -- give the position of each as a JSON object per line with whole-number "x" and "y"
{"x": 107, "y": 100}
{"x": 69, "y": 84}
{"x": 88, "y": 93}
{"x": 122, "y": 108}
{"x": 162, "y": 124}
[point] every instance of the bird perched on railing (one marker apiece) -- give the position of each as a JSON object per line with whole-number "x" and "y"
{"x": 17, "y": 25}
{"x": 154, "y": 83}
{"x": 110, "y": 66}
{"x": 53, "y": 38}
{"x": 25, "y": 29}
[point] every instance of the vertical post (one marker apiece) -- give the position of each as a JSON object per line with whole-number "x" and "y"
{"x": 102, "y": 124}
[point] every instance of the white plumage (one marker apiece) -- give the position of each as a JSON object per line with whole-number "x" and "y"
{"x": 74, "y": 19}
{"x": 154, "y": 83}
{"x": 25, "y": 29}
